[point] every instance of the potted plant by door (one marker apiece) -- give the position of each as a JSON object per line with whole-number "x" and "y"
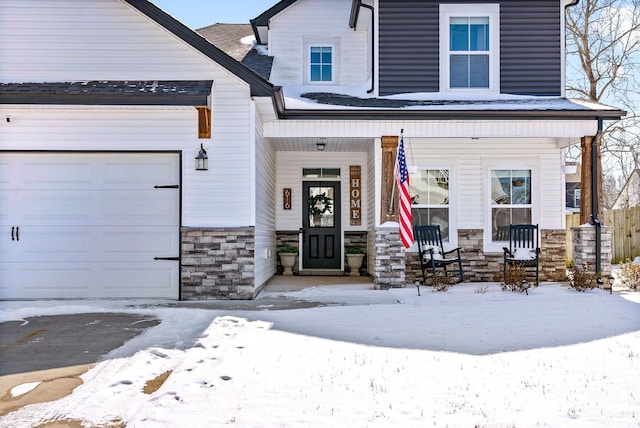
{"x": 288, "y": 258}
{"x": 355, "y": 256}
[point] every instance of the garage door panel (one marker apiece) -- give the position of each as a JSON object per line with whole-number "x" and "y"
{"x": 94, "y": 280}
{"x": 92, "y": 244}
{"x": 143, "y": 280}
{"x": 158, "y": 207}
{"x": 132, "y": 243}
{"x": 82, "y": 208}
{"x": 139, "y": 174}
{"x": 99, "y": 171}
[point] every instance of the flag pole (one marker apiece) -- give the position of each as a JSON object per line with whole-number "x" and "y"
{"x": 393, "y": 189}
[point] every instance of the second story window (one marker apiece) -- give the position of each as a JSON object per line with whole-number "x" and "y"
{"x": 321, "y": 64}
{"x": 468, "y": 52}
{"x": 469, "y": 57}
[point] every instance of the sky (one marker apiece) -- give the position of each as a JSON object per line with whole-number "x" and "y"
{"x": 470, "y": 356}
{"x": 201, "y": 13}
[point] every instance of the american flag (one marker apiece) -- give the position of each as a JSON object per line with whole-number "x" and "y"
{"x": 404, "y": 214}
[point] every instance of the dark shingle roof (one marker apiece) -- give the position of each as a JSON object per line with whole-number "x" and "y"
{"x": 228, "y": 38}
{"x": 259, "y": 63}
{"x": 174, "y": 93}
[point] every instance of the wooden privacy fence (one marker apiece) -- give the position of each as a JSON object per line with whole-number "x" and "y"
{"x": 625, "y": 236}
{"x": 573, "y": 220}
{"x": 625, "y": 240}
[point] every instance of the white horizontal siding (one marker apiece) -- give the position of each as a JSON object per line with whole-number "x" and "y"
{"x": 265, "y": 239}
{"x": 217, "y": 197}
{"x": 79, "y": 40}
{"x": 573, "y": 130}
{"x": 470, "y": 160}
{"x": 289, "y": 175}
{"x": 306, "y": 22}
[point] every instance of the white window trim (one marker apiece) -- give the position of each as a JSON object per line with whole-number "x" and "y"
{"x": 492, "y": 11}
{"x": 334, "y": 68}
{"x": 496, "y": 247}
{"x": 453, "y": 204}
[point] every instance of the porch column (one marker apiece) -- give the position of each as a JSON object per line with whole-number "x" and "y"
{"x": 388, "y": 206}
{"x": 591, "y": 206}
{"x": 389, "y": 263}
{"x": 586, "y": 188}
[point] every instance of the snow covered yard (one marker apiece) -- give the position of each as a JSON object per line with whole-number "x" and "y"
{"x": 464, "y": 358}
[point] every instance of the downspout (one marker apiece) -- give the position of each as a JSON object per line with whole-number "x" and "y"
{"x": 373, "y": 43}
{"x": 595, "y": 197}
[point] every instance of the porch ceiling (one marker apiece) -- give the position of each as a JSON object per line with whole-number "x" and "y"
{"x": 333, "y": 144}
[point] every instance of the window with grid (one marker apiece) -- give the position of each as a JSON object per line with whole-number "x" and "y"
{"x": 469, "y": 49}
{"x": 321, "y": 64}
{"x": 429, "y": 190}
{"x": 510, "y": 200}
{"x": 469, "y": 52}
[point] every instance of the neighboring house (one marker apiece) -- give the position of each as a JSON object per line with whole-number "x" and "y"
{"x": 629, "y": 196}
{"x": 573, "y": 181}
{"x": 105, "y": 104}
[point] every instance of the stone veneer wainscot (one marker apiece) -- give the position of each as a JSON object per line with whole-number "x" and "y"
{"x": 218, "y": 263}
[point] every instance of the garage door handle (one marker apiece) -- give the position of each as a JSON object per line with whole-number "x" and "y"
{"x": 170, "y": 186}
{"x": 166, "y": 258}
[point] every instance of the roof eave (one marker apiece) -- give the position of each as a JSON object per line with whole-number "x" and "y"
{"x": 405, "y": 114}
{"x": 104, "y": 100}
{"x": 355, "y": 11}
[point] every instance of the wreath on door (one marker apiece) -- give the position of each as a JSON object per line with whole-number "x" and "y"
{"x": 319, "y": 204}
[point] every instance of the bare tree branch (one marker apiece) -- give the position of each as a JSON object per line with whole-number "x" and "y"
{"x": 603, "y": 58}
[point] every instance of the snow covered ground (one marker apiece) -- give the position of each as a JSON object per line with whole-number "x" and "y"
{"x": 469, "y": 357}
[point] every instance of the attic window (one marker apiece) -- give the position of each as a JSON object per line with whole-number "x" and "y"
{"x": 204, "y": 122}
{"x": 321, "y": 64}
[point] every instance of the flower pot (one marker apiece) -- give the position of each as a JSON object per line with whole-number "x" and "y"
{"x": 355, "y": 262}
{"x": 288, "y": 261}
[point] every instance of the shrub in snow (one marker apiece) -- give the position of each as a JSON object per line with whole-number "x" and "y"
{"x": 630, "y": 275}
{"x": 516, "y": 279}
{"x": 581, "y": 279}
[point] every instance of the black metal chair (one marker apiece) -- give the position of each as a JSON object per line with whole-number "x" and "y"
{"x": 523, "y": 249}
{"x": 433, "y": 256}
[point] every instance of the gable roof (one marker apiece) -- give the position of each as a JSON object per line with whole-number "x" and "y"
{"x": 262, "y": 20}
{"x": 259, "y": 86}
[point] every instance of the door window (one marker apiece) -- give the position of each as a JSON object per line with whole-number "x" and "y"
{"x": 320, "y": 202}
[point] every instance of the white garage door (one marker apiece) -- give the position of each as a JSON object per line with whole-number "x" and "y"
{"x": 89, "y": 225}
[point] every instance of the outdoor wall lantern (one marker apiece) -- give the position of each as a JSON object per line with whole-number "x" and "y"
{"x": 321, "y": 144}
{"x": 202, "y": 160}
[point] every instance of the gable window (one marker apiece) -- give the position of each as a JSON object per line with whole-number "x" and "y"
{"x": 429, "y": 190}
{"x": 321, "y": 64}
{"x": 469, "y": 57}
{"x": 510, "y": 200}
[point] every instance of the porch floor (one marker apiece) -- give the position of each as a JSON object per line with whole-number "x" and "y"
{"x": 281, "y": 283}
